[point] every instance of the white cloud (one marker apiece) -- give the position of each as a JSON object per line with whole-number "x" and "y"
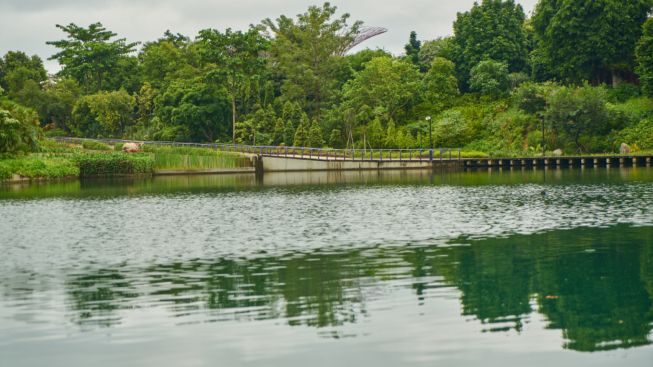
{"x": 27, "y": 24}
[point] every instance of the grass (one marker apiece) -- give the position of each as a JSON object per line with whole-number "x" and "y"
{"x": 38, "y": 167}
{"x": 114, "y": 164}
{"x": 188, "y": 158}
{"x": 95, "y": 145}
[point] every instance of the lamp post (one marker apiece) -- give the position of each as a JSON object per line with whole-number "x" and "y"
{"x": 428, "y": 118}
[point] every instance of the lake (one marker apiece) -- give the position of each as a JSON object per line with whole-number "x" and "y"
{"x": 487, "y": 268}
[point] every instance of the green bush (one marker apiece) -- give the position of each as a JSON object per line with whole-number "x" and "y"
{"x": 114, "y": 164}
{"x": 95, "y": 145}
{"x": 640, "y": 135}
{"x": 38, "y": 167}
{"x": 19, "y": 129}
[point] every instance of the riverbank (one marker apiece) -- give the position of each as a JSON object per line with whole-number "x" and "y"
{"x": 65, "y": 160}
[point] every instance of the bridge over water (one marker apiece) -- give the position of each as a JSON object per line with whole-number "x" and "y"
{"x": 289, "y": 159}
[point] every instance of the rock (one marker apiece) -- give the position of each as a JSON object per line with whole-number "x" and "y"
{"x": 131, "y": 148}
{"x": 557, "y": 153}
{"x": 625, "y": 149}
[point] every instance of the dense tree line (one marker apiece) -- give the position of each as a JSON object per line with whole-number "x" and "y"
{"x": 582, "y": 69}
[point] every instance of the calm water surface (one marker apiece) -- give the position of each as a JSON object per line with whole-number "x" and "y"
{"x": 349, "y": 269}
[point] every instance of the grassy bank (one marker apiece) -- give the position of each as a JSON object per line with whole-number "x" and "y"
{"x": 91, "y": 158}
{"x": 188, "y": 158}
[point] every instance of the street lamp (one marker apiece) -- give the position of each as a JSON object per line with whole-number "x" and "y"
{"x": 428, "y": 118}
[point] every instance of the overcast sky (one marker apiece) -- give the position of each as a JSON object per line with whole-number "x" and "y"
{"x": 27, "y": 24}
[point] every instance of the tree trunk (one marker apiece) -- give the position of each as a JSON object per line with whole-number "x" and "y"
{"x": 233, "y": 118}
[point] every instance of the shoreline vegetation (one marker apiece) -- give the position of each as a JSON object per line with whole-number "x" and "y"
{"x": 563, "y": 80}
{"x": 58, "y": 160}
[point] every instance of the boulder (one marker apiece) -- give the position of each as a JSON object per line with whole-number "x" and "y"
{"x": 131, "y": 148}
{"x": 557, "y": 153}
{"x": 624, "y": 149}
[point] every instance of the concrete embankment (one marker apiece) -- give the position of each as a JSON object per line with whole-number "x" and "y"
{"x": 282, "y": 164}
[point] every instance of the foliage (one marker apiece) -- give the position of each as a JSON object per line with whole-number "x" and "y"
{"x": 412, "y": 48}
{"x": 306, "y": 52}
{"x": 19, "y": 130}
{"x": 38, "y": 167}
{"x": 644, "y": 54}
{"x": 385, "y": 85}
{"x": 234, "y": 59}
{"x": 440, "y": 85}
{"x": 491, "y": 30}
{"x": 441, "y": 47}
{"x": 104, "y": 114}
{"x": 95, "y": 145}
{"x": 589, "y": 39}
{"x": 113, "y": 164}
{"x": 291, "y": 81}
{"x": 638, "y": 135}
{"x": 90, "y": 56}
{"x": 490, "y": 78}
{"x": 577, "y": 111}
{"x": 193, "y": 110}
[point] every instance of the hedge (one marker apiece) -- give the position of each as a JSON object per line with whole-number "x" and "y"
{"x": 114, "y": 164}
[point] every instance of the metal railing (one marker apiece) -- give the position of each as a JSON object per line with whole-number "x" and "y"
{"x": 401, "y": 155}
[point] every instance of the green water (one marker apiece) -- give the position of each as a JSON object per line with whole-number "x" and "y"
{"x": 325, "y": 269}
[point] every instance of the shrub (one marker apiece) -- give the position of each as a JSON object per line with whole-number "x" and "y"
{"x": 114, "y": 164}
{"x": 38, "y": 167}
{"x": 640, "y": 134}
{"x": 19, "y": 130}
{"x": 95, "y": 145}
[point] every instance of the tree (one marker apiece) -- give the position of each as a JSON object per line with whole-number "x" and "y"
{"x": 440, "y": 85}
{"x": 441, "y": 47}
{"x": 644, "y": 54}
{"x": 59, "y": 98}
{"x": 89, "y": 56}
{"x": 168, "y": 58}
{"x": 194, "y": 110}
{"x": 17, "y": 69}
{"x": 492, "y": 30}
{"x": 19, "y": 128}
{"x": 578, "y": 111}
{"x": 412, "y": 48}
{"x": 104, "y": 114}
{"x": 235, "y": 60}
{"x": 589, "y": 39}
{"x": 358, "y": 60}
{"x": 301, "y": 134}
{"x": 315, "y": 136}
{"x": 386, "y": 85}
{"x": 450, "y": 130}
{"x": 306, "y": 53}
{"x": 490, "y": 78}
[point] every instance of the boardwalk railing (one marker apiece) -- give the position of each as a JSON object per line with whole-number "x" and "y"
{"x": 306, "y": 152}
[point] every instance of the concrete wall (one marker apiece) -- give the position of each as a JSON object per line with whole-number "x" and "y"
{"x": 280, "y": 164}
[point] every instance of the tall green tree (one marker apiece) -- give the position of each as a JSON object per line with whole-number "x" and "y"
{"x": 235, "y": 59}
{"x": 387, "y": 86}
{"x": 171, "y": 57}
{"x": 441, "y": 47}
{"x": 306, "y": 55}
{"x": 645, "y": 58}
{"x": 412, "y": 48}
{"x": 490, "y": 78}
{"x": 194, "y": 110}
{"x": 17, "y": 69}
{"x": 440, "y": 85}
{"x": 491, "y": 30}
{"x": 589, "y": 39}
{"x": 90, "y": 56}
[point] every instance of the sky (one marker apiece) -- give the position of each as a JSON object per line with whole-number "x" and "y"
{"x": 27, "y": 24}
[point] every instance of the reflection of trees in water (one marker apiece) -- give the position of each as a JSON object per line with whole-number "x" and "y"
{"x": 95, "y": 297}
{"x": 594, "y": 284}
{"x": 593, "y": 287}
